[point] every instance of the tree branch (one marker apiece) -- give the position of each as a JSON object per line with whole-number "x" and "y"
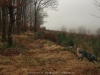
{"x": 94, "y": 15}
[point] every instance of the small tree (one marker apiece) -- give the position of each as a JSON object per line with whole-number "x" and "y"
{"x": 81, "y": 30}
{"x": 72, "y": 31}
{"x": 98, "y": 32}
{"x": 63, "y": 29}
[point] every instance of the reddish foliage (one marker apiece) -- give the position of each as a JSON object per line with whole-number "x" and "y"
{"x": 50, "y": 36}
{"x": 9, "y": 52}
{"x": 24, "y": 27}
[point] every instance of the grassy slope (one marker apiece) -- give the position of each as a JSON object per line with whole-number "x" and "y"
{"x": 42, "y": 57}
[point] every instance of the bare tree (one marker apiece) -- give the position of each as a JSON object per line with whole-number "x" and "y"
{"x": 98, "y": 32}
{"x": 72, "y": 30}
{"x": 63, "y": 29}
{"x": 81, "y": 30}
{"x": 39, "y": 5}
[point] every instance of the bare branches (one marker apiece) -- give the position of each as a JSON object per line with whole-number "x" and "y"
{"x": 39, "y": 5}
{"x": 43, "y": 4}
{"x": 81, "y": 30}
{"x": 97, "y": 5}
{"x": 49, "y": 4}
{"x": 94, "y": 15}
{"x": 98, "y": 32}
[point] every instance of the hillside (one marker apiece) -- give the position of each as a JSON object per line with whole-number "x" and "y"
{"x": 42, "y": 57}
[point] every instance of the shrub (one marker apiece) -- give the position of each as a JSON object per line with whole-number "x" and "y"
{"x": 65, "y": 40}
{"x": 38, "y": 35}
{"x": 96, "y": 49}
{"x": 61, "y": 37}
{"x": 71, "y": 40}
{"x": 50, "y": 36}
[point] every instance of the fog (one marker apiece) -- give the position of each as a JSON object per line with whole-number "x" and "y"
{"x": 73, "y": 14}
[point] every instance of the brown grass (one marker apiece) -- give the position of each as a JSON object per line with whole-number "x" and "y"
{"x": 42, "y": 57}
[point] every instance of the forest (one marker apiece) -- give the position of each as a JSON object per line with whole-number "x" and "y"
{"x": 28, "y": 48}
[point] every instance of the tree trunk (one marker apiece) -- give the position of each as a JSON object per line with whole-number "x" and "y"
{"x": 35, "y": 18}
{"x": 31, "y": 16}
{"x": 10, "y": 31}
{"x": 0, "y": 20}
{"x": 24, "y": 18}
{"x": 35, "y": 27}
{"x": 18, "y": 18}
{"x": 3, "y": 24}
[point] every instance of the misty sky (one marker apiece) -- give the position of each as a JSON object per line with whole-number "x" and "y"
{"x": 72, "y": 14}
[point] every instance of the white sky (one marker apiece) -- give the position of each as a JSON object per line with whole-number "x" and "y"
{"x": 72, "y": 14}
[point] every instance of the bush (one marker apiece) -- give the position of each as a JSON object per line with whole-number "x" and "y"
{"x": 61, "y": 37}
{"x": 50, "y": 36}
{"x": 71, "y": 39}
{"x": 96, "y": 49}
{"x": 65, "y": 40}
{"x": 38, "y": 35}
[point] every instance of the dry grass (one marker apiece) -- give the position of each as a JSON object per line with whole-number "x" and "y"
{"x": 42, "y": 57}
